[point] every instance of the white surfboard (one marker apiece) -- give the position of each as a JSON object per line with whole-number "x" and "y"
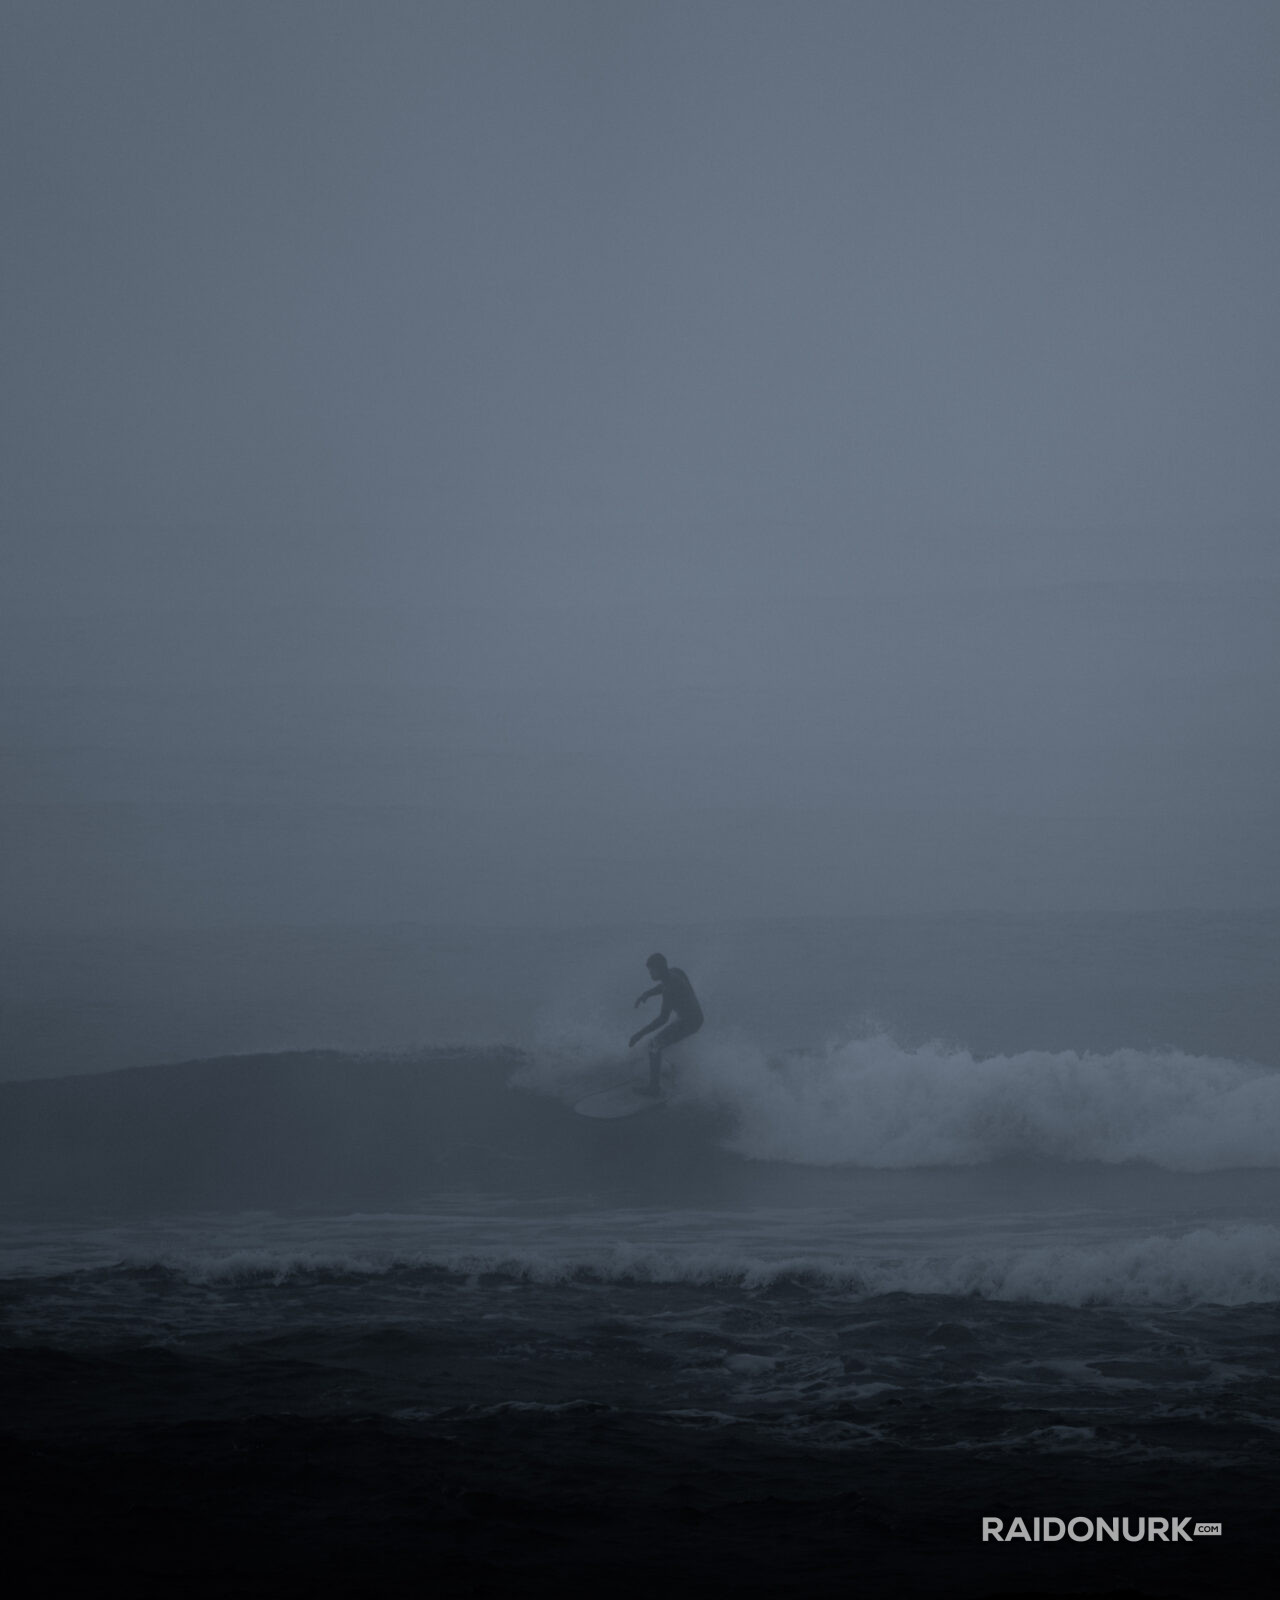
{"x": 624, "y": 1101}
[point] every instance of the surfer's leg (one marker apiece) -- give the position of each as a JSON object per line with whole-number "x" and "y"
{"x": 671, "y": 1034}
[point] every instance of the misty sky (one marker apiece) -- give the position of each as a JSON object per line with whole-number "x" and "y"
{"x": 572, "y": 460}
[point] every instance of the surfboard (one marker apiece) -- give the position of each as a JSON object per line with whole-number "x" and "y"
{"x": 622, "y": 1101}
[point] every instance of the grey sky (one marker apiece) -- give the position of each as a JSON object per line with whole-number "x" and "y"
{"x": 505, "y": 460}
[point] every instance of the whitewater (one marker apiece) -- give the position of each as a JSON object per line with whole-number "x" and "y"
{"x": 871, "y": 1103}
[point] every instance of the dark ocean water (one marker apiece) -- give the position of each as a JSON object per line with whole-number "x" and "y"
{"x": 317, "y": 1322}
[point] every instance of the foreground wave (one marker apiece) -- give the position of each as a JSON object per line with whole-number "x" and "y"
{"x": 1225, "y": 1266}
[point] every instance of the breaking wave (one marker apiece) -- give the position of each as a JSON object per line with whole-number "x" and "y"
{"x": 872, "y": 1103}
{"x": 1228, "y": 1266}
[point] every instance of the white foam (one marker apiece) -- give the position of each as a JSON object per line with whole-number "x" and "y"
{"x": 870, "y": 1102}
{"x": 1228, "y": 1266}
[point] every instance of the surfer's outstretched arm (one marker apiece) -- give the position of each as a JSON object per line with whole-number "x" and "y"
{"x": 648, "y": 995}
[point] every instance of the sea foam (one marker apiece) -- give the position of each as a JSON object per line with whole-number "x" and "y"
{"x": 873, "y": 1103}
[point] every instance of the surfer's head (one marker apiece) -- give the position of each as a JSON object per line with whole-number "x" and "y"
{"x": 657, "y": 965}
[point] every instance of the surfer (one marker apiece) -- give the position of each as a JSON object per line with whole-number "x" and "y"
{"x": 678, "y": 1000}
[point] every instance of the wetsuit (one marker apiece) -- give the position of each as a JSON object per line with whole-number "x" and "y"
{"x": 679, "y": 1002}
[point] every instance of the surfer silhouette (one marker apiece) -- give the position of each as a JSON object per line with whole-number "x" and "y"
{"x": 678, "y": 1001}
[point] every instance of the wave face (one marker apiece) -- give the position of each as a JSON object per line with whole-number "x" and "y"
{"x": 871, "y": 1103}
